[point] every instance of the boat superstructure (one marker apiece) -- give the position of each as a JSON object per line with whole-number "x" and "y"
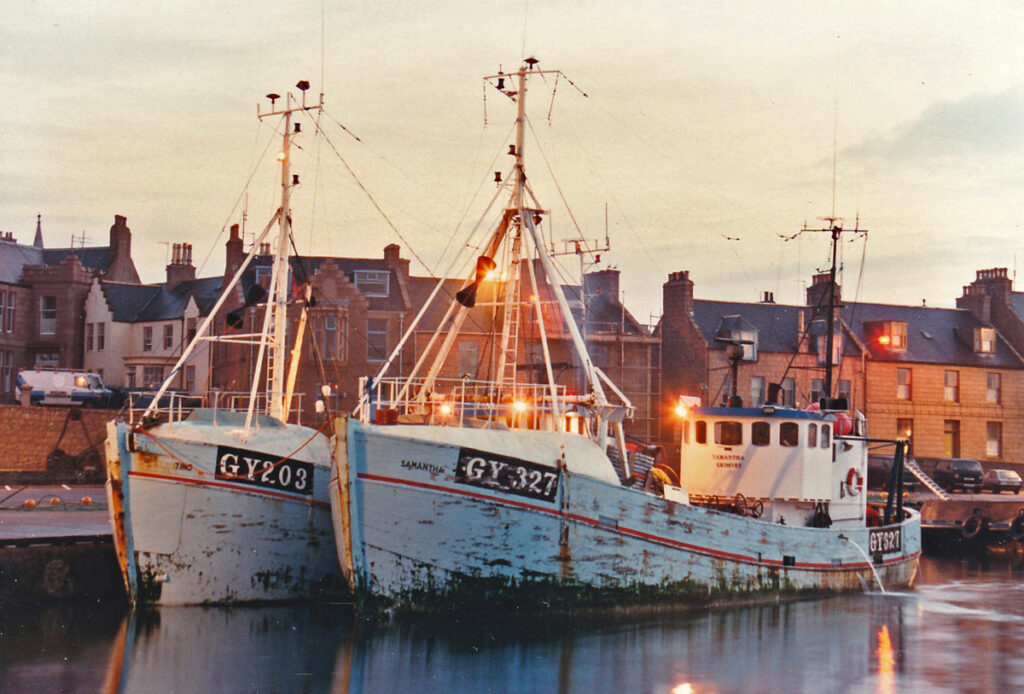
{"x": 225, "y": 503}
{"x": 452, "y": 491}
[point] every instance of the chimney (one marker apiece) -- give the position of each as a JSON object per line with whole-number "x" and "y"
{"x": 393, "y": 259}
{"x": 677, "y": 294}
{"x": 120, "y": 267}
{"x": 993, "y": 283}
{"x": 817, "y": 293}
{"x": 604, "y": 282}
{"x": 233, "y": 253}
{"x": 768, "y": 298}
{"x": 181, "y": 268}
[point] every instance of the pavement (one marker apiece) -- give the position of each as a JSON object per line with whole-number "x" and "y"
{"x": 69, "y": 517}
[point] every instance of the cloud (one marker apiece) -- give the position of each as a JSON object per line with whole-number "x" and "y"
{"x": 976, "y": 127}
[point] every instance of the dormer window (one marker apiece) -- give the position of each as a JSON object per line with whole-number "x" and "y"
{"x": 373, "y": 282}
{"x": 890, "y": 336}
{"x": 985, "y": 340}
{"x": 735, "y": 330}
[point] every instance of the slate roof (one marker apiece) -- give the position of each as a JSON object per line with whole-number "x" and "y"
{"x": 14, "y": 257}
{"x": 934, "y": 335}
{"x": 96, "y": 258}
{"x": 605, "y": 313}
{"x": 138, "y": 303}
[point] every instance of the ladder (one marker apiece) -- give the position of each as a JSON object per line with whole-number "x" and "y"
{"x": 927, "y": 481}
{"x": 508, "y": 356}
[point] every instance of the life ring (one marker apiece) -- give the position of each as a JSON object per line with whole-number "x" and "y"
{"x": 971, "y": 527}
{"x": 1017, "y": 526}
{"x": 854, "y": 482}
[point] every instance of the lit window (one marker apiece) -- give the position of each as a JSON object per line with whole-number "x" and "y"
{"x": 888, "y": 335}
{"x": 985, "y": 340}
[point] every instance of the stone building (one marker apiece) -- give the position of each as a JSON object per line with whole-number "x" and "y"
{"x": 949, "y": 380}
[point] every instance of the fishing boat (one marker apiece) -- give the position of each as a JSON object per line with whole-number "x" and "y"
{"x": 452, "y": 492}
{"x": 228, "y": 502}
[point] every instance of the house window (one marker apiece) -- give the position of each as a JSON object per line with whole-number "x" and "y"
{"x": 469, "y": 357}
{"x": 993, "y": 388}
{"x": 262, "y": 276}
{"x": 147, "y": 339}
{"x": 190, "y": 329}
{"x": 905, "y": 430}
{"x": 129, "y": 377}
{"x": 373, "y": 282}
{"x": 748, "y": 339}
{"x": 985, "y": 340}
{"x": 817, "y": 389}
{"x": 3, "y": 304}
{"x": 9, "y": 313}
{"x": 756, "y": 391}
{"x": 888, "y": 335}
{"x": 993, "y": 439}
{"x": 951, "y": 438}
{"x": 951, "y": 393}
{"x": 152, "y": 376}
{"x": 330, "y": 331}
{"x": 47, "y": 315}
{"x": 190, "y": 379}
{"x": 101, "y": 336}
{"x": 168, "y": 337}
{"x": 788, "y": 392}
{"x": 837, "y": 348}
{"x": 6, "y": 360}
{"x": 89, "y": 328}
{"x": 843, "y": 389}
{"x": 903, "y": 384}
{"x": 598, "y": 356}
{"x": 376, "y": 339}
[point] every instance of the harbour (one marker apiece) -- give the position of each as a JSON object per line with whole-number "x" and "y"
{"x": 958, "y": 630}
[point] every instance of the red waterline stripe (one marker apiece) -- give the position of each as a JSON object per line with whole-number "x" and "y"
{"x": 233, "y": 487}
{"x": 648, "y": 537}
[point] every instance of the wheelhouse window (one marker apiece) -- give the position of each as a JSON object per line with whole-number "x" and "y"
{"x": 729, "y": 433}
{"x": 700, "y": 432}
{"x": 903, "y": 384}
{"x": 951, "y": 392}
{"x": 812, "y": 436}
{"x": 760, "y": 433}
{"x": 789, "y": 434}
{"x": 985, "y": 340}
{"x": 47, "y": 315}
{"x": 826, "y": 435}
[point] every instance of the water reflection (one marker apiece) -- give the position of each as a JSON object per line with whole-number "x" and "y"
{"x": 959, "y": 631}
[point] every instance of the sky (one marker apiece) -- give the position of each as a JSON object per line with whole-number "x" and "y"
{"x": 709, "y": 133}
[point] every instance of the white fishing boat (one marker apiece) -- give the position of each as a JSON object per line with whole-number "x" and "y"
{"x": 228, "y": 504}
{"x": 454, "y": 492}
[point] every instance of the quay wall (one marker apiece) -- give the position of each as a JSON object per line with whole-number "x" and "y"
{"x": 64, "y": 570}
{"x": 29, "y": 434}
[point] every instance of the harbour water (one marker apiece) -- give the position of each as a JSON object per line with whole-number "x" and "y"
{"x": 960, "y": 630}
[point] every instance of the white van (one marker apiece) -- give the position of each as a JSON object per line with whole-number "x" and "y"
{"x": 65, "y": 387}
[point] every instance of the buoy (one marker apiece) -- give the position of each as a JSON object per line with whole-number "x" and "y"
{"x": 30, "y": 503}
{"x": 844, "y": 424}
{"x": 86, "y": 500}
{"x": 54, "y": 501}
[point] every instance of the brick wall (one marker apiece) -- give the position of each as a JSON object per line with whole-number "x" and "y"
{"x": 29, "y": 434}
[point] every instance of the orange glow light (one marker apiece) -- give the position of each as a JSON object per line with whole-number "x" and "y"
{"x": 446, "y": 409}
{"x": 883, "y": 339}
{"x": 519, "y": 406}
{"x": 682, "y": 411}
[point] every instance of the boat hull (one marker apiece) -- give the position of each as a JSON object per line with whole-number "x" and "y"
{"x": 416, "y": 533}
{"x": 192, "y": 524}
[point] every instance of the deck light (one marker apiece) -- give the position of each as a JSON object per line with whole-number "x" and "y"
{"x": 519, "y": 406}
{"x": 681, "y": 411}
{"x": 446, "y": 409}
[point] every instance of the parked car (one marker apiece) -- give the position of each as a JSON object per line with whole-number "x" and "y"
{"x": 880, "y": 472}
{"x": 958, "y": 473}
{"x": 998, "y": 480}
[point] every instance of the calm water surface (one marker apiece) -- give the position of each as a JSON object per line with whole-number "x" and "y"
{"x": 961, "y": 630}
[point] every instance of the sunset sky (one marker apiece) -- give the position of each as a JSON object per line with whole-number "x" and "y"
{"x": 707, "y": 130}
